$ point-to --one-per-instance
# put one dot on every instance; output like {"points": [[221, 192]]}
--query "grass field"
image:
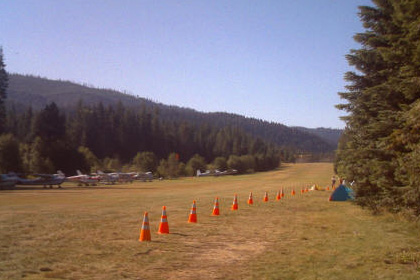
{"points": [[92, 232]]}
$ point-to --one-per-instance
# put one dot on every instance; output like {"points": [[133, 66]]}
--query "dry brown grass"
{"points": [[92, 233]]}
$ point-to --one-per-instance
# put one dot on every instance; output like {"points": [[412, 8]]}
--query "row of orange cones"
{"points": [[164, 226]]}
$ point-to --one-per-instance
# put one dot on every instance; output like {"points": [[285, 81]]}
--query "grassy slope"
{"points": [[92, 233]]}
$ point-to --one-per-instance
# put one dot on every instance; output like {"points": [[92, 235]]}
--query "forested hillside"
{"points": [[330, 135], [24, 91], [109, 138], [54, 125], [380, 148]]}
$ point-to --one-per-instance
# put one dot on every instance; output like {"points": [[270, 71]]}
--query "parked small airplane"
{"points": [[42, 179], [146, 176], [207, 173], [83, 179], [119, 177], [7, 181], [226, 172], [123, 177], [106, 178]]}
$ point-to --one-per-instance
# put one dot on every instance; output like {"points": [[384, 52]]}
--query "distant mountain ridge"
{"points": [[24, 91], [330, 135]]}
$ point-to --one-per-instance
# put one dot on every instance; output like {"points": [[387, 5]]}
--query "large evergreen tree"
{"points": [[3, 94], [383, 88]]}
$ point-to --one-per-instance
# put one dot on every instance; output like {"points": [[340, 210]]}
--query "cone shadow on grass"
{"points": [[180, 234]]}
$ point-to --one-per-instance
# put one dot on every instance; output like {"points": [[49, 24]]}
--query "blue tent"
{"points": [[342, 193]]}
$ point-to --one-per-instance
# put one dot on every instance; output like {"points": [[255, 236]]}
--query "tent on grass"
{"points": [[342, 193]]}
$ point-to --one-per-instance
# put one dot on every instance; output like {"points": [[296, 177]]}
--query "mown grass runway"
{"points": [[92, 232]]}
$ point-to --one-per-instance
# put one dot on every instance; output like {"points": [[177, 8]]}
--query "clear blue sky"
{"points": [[280, 61]]}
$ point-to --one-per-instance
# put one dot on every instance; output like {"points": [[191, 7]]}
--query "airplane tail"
{"points": [[79, 173], [60, 173], [198, 172]]}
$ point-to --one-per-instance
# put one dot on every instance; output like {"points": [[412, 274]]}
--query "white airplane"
{"points": [[207, 173], [106, 178], [122, 177], [144, 176], [83, 179], [226, 172]]}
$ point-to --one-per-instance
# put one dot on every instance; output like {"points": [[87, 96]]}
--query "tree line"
{"points": [[121, 138], [380, 147]]}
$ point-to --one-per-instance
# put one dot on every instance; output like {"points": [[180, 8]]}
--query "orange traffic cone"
{"points": [[193, 213], [278, 196], [282, 192], [302, 191], [265, 199], [216, 207], [145, 229], [293, 192], [250, 200], [328, 188], [235, 203], [163, 226]]}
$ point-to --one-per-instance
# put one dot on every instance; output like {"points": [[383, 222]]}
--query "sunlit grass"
{"points": [[92, 233]]}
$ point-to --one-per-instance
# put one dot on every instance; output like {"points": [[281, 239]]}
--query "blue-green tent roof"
{"points": [[342, 193]]}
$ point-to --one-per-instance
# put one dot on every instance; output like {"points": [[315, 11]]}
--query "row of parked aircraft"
{"points": [[12, 179], [50, 180], [216, 172]]}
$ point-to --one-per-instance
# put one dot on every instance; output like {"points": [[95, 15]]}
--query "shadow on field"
{"points": [[143, 253], [180, 234]]}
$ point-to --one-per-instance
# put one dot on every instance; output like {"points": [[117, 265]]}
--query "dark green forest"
{"points": [[380, 146], [110, 138]]}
